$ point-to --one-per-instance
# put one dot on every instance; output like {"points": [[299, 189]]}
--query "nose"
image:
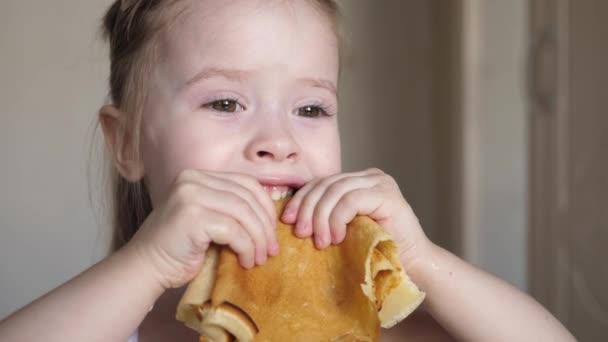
{"points": [[273, 143]]}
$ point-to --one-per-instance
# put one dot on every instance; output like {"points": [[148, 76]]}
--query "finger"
{"points": [[241, 185], [305, 206], [224, 230], [373, 171], [266, 204], [324, 232], [256, 189], [236, 207], [353, 203], [291, 209]]}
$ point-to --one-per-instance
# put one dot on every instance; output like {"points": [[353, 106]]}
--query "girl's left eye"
{"points": [[224, 105], [312, 111]]}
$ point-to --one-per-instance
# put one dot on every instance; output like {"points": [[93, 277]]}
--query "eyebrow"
{"points": [[207, 73], [320, 83], [242, 75]]}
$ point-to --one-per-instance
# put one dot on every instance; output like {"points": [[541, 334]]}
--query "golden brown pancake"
{"points": [[345, 292]]}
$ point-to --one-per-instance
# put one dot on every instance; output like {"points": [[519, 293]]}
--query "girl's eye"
{"points": [[224, 105], [312, 111]]}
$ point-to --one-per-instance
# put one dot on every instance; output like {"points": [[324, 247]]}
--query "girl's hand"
{"points": [[204, 207], [323, 208]]}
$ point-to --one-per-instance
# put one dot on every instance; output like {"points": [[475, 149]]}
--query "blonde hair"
{"points": [[131, 27]]}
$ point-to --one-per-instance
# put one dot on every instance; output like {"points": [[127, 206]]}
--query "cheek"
{"points": [[324, 152], [180, 147], [333, 158]]}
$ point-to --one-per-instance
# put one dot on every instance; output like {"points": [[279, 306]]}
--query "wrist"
{"points": [[416, 257], [134, 256], [431, 272], [421, 263]]}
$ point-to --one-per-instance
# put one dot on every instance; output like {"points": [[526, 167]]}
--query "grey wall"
{"points": [[52, 80], [400, 92], [504, 145], [495, 137], [386, 96]]}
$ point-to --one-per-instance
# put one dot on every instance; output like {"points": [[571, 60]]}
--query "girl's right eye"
{"points": [[224, 105]]}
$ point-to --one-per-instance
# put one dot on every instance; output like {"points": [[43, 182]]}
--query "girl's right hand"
{"points": [[201, 208]]}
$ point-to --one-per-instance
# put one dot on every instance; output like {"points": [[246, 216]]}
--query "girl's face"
{"points": [[245, 86]]}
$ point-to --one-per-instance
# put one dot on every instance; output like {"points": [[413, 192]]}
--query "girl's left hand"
{"points": [[323, 208]]}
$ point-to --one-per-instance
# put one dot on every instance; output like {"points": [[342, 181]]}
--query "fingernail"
{"points": [[263, 258], [300, 228], [248, 264], [300, 233], [319, 242], [289, 215], [336, 240], [274, 249]]}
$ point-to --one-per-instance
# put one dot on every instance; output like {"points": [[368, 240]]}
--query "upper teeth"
{"points": [[279, 192]]}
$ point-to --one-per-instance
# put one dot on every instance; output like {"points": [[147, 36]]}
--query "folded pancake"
{"points": [[342, 293]]}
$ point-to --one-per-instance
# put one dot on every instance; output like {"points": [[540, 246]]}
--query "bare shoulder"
{"points": [[419, 326]]}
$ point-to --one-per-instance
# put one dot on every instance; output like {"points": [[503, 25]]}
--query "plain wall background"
{"points": [[495, 146], [503, 144], [52, 81], [53, 69]]}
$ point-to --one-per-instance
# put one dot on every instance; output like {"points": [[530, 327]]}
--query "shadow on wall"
{"points": [[386, 103]]}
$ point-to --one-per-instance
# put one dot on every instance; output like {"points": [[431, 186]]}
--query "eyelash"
{"points": [[324, 109], [218, 100]]}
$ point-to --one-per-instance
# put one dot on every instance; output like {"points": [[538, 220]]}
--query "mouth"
{"points": [[281, 187], [279, 192]]}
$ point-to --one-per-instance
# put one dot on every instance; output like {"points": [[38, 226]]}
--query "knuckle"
{"points": [[383, 178], [350, 199], [322, 210], [256, 234], [249, 245], [245, 179], [184, 191], [250, 180], [305, 204], [391, 180], [335, 187], [249, 197], [244, 246], [328, 180], [335, 222], [318, 222], [185, 175], [241, 206], [219, 228], [337, 231], [248, 215], [188, 209]]}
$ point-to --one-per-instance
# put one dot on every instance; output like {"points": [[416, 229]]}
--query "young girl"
{"points": [[218, 107]]}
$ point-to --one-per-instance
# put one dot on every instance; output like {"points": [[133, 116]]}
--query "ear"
{"points": [[121, 142]]}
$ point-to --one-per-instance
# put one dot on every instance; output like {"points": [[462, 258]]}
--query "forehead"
{"points": [[291, 35]]}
